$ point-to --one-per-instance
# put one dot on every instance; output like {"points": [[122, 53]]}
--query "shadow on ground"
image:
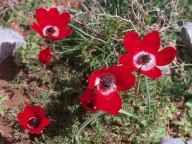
{"points": [[8, 69], [3, 140]]}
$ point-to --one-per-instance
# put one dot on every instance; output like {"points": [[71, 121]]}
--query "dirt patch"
{"points": [[3, 83], [8, 71], [16, 101], [3, 140], [5, 130]]}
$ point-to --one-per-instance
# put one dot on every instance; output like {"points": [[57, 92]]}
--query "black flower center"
{"points": [[90, 105], [34, 122], [143, 59], [50, 31], [106, 82]]}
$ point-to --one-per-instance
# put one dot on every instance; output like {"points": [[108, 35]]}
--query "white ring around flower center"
{"points": [[147, 66], [101, 88], [56, 33], [28, 121]]}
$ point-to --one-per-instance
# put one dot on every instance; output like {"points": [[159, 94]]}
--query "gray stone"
{"points": [[186, 34], [172, 141], [10, 41], [165, 69], [189, 141]]}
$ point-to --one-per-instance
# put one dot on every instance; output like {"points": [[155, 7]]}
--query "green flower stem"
{"points": [[138, 83], [54, 51], [128, 113], [44, 69], [86, 123], [148, 98]]}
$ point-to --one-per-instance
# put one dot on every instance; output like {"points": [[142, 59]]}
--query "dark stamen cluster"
{"points": [[143, 59], [106, 82], [34, 122], [90, 105], [50, 31]]}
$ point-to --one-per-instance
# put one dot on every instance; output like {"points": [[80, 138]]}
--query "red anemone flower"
{"points": [[45, 56], [107, 81], [89, 100], [144, 56], [33, 118], [51, 24]]}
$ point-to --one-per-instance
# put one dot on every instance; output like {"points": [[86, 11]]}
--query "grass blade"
{"points": [[129, 113], [86, 123]]}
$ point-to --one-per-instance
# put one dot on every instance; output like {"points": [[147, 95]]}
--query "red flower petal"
{"points": [[110, 103], [127, 60], [165, 56], [131, 42], [41, 114], [64, 33], [89, 97], [47, 17], [151, 42], [23, 120], [37, 130], [37, 28], [124, 78], [45, 56], [56, 19], [40, 111], [53, 14], [92, 78], [30, 112], [64, 19], [42, 16], [52, 18], [152, 73], [44, 122]]}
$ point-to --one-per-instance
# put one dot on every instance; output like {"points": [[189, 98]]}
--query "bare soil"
{"points": [[8, 71]]}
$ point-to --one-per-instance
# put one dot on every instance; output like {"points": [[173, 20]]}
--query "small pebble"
{"points": [[172, 141]]}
